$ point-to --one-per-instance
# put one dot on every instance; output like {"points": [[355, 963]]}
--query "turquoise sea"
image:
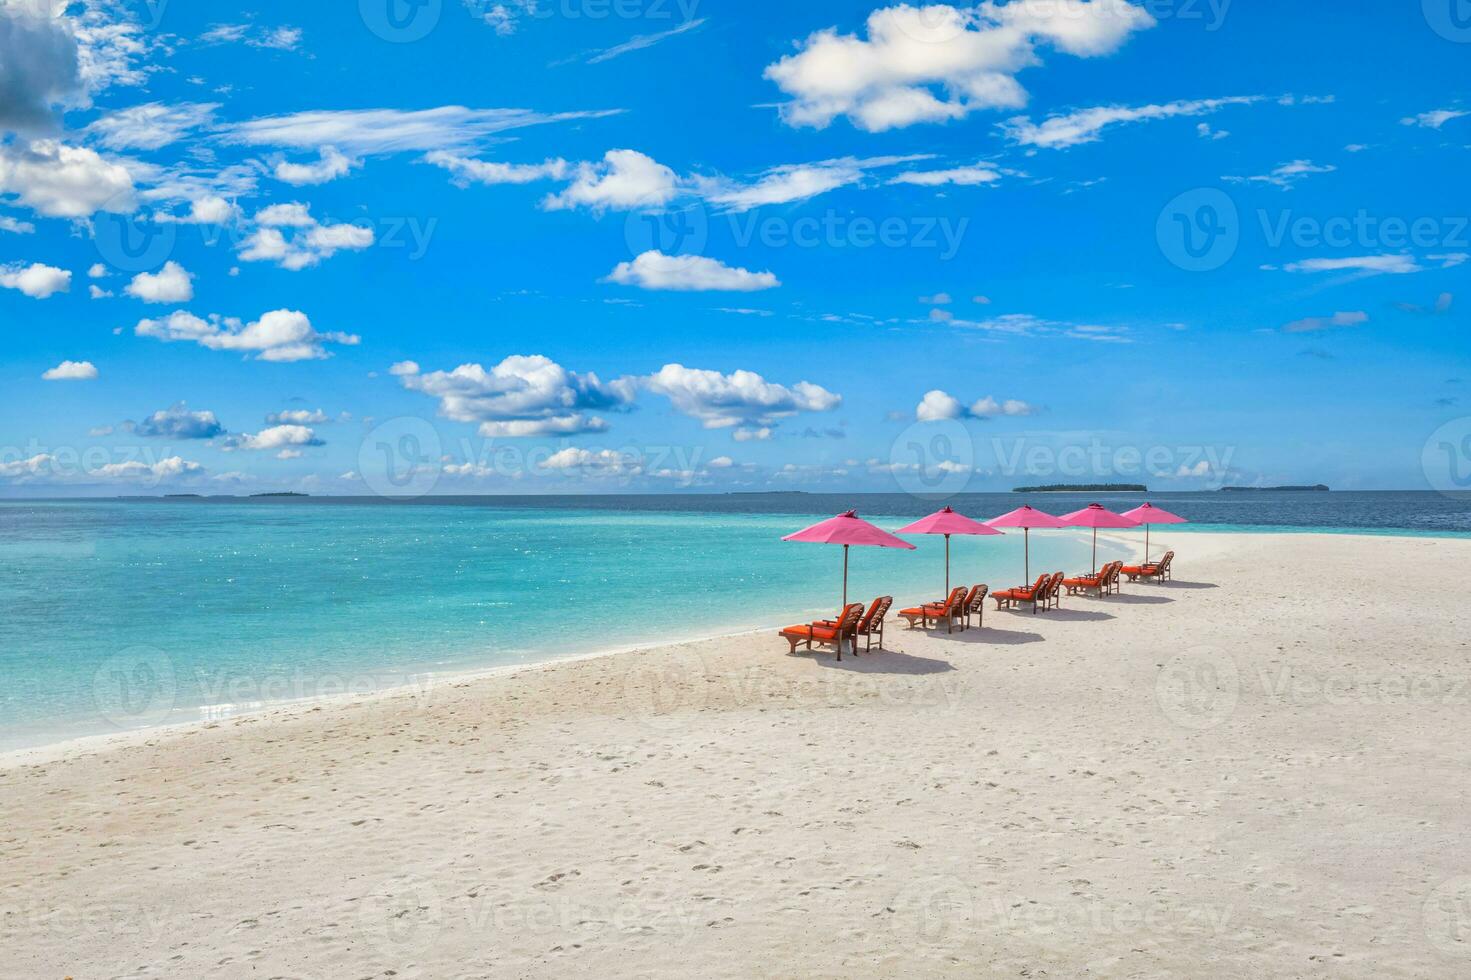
{"points": [[122, 614]]}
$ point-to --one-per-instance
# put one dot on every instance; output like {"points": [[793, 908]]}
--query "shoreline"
{"points": [[417, 681], [421, 682]]}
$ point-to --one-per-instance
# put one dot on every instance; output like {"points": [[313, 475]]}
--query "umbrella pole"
{"points": [[1027, 552], [845, 577], [947, 565], [1146, 544], [1095, 551]]}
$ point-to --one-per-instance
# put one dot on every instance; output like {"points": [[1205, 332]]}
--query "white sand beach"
{"points": [[1257, 770]]}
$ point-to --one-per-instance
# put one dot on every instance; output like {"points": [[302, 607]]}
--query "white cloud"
{"points": [[208, 210], [330, 165], [178, 422], [751, 435], [364, 132], [97, 271], [135, 469], [284, 38], [1085, 125], [792, 182], [1370, 264], [939, 62], [467, 170], [1286, 175], [521, 396], [280, 335], [15, 227], [1435, 119], [309, 244], [97, 292], [62, 181], [625, 180], [688, 273], [1450, 260], [962, 176], [40, 66], [1316, 323], [171, 284], [1204, 131], [501, 15], [72, 371], [742, 398], [298, 417], [151, 126], [989, 407], [277, 437], [594, 462], [641, 41], [35, 280], [939, 405]]}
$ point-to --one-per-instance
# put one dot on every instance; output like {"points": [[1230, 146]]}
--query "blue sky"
{"points": [[586, 245]]}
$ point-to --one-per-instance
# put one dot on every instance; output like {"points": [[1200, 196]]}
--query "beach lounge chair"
{"points": [[1053, 598], [975, 605], [1111, 587], [1159, 571], [1102, 582], [871, 625], [1010, 597], [949, 609], [827, 632]]}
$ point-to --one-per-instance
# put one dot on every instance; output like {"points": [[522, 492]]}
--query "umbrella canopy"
{"points": [[1148, 514], [848, 530], [1096, 516], [948, 522], [1027, 517]]}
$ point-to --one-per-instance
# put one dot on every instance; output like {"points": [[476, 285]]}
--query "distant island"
{"points": [[1317, 488], [1085, 488], [281, 493], [180, 496]]}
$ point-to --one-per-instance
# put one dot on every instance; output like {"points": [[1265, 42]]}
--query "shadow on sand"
{"points": [[1065, 614], [1129, 599], [1172, 584], [885, 661]]}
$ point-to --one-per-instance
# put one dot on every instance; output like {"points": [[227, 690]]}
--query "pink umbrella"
{"points": [[1148, 514], [848, 530], [947, 522], [1026, 518], [1096, 516]]}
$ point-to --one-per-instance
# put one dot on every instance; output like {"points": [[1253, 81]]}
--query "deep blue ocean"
{"points": [[122, 614]]}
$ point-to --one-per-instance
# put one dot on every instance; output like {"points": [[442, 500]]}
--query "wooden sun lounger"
{"points": [[949, 609], [827, 632], [1010, 597], [975, 605], [1159, 571], [871, 625], [1102, 582]]}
